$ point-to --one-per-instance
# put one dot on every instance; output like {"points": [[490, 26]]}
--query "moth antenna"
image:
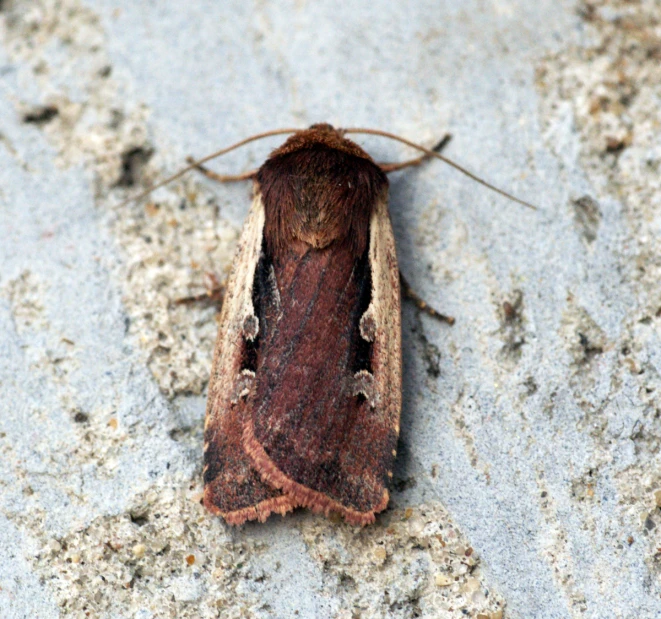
{"points": [[432, 153], [199, 162]]}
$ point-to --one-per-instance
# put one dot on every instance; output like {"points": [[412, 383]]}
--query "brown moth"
{"points": [[304, 396], [305, 389]]}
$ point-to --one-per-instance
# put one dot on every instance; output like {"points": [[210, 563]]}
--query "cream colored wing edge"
{"points": [[237, 318], [381, 323]]}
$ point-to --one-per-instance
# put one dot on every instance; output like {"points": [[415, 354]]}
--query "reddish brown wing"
{"points": [[323, 418], [232, 487]]}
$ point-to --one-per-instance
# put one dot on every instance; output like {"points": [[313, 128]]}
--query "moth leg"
{"points": [[213, 296], [422, 305], [222, 178], [392, 167]]}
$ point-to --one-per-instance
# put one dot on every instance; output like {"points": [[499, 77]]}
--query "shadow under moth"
{"points": [[304, 396]]}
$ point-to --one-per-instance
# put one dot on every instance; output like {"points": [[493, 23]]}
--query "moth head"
{"points": [[326, 127], [319, 188]]}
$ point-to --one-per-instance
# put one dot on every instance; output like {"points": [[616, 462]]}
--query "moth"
{"points": [[304, 396], [305, 389]]}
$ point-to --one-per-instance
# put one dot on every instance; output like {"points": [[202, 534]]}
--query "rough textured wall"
{"points": [[528, 478]]}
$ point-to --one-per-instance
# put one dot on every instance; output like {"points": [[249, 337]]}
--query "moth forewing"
{"points": [[238, 311], [233, 489]]}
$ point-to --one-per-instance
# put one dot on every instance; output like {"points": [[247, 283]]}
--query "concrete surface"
{"points": [[528, 479]]}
